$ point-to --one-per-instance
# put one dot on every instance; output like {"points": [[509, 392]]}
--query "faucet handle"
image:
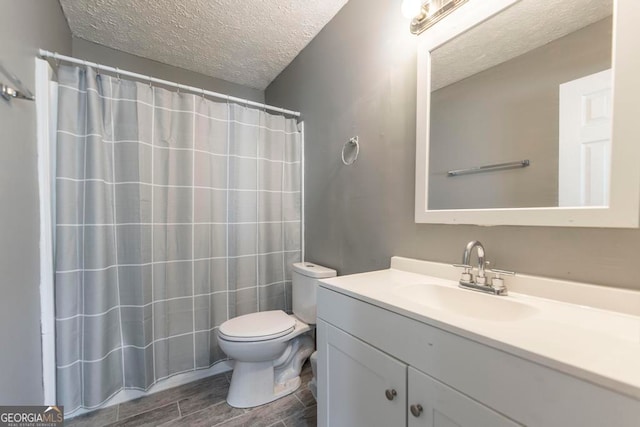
{"points": [[497, 282], [466, 273], [498, 272]]}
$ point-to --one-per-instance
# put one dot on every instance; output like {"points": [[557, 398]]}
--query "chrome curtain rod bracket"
{"points": [[9, 93], [489, 168], [15, 89], [145, 78]]}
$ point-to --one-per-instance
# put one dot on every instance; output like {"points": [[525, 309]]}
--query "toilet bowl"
{"points": [[270, 347]]}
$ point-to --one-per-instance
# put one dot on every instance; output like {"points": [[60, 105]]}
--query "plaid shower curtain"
{"points": [[174, 213]]}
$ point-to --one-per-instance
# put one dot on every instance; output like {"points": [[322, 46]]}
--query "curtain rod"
{"points": [[117, 71]]}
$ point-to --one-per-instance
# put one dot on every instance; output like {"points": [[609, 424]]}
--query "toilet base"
{"points": [[252, 385], [256, 397], [257, 383]]}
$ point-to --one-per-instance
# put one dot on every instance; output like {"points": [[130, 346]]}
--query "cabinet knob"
{"points": [[391, 394], [416, 410]]}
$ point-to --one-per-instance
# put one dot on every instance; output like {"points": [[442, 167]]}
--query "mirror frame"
{"points": [[624, 204]]}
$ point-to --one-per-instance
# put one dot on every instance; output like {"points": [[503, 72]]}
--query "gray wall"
{"points": [[26, 26], [359, 77], [89, 51], [506, 113]]}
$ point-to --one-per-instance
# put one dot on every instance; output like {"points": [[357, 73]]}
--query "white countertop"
{"points": [[597, 345]]}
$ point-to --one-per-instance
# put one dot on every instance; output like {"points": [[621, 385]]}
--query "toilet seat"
{"points": [[262, 326]]}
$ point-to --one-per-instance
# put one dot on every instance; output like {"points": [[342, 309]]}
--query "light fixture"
{"points": [[411, 8], [425, 14]]}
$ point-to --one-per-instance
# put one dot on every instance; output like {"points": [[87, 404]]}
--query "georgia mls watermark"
{"points": [[31, 416]]}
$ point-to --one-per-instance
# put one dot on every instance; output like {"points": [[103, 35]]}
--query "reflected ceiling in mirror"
{"points": [[531, 83]]}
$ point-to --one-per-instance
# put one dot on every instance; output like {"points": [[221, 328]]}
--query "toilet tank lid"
{"points": [[310, 269]]}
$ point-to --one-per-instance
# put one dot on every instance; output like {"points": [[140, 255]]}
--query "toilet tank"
{"points": [[305, 278]]}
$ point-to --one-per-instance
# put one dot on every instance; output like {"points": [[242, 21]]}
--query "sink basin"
{"points": [[466, 302]]}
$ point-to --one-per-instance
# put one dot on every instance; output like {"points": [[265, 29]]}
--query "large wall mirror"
{"points": [[526, 115]]}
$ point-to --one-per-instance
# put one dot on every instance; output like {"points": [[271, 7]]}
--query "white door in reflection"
{"points": [[585, 141]]}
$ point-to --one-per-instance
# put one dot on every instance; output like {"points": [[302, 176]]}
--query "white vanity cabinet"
{"points": [[366, 387], [366, 350]]}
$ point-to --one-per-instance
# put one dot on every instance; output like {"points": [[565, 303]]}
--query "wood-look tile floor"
{"points": [[202, 403]]}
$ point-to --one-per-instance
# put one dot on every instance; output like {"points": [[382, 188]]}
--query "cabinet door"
{"points": [[361, 385], [442, 406]]}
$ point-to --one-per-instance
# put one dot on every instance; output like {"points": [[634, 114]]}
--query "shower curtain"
{"points": [[174, 213]]}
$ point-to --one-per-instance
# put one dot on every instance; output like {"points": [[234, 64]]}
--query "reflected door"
{"points": [[585, 141]]}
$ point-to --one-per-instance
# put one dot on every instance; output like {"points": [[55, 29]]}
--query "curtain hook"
{"points": [[150, 86], [202, 93], [178, 91], [86, 66], [56, 60], [118, 74]]}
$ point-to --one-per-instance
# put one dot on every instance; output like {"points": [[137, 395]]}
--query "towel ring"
{"points": [[351, 142]]}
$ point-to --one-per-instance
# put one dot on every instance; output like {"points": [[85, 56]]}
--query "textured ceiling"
{"points": [[248, 42], [525, 26]]}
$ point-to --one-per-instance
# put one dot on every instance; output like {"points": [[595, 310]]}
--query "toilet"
{"points": [[270, 347]]}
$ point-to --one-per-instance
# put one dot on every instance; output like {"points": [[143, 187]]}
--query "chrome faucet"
{"points": [[495, 286], [481, 279]]}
